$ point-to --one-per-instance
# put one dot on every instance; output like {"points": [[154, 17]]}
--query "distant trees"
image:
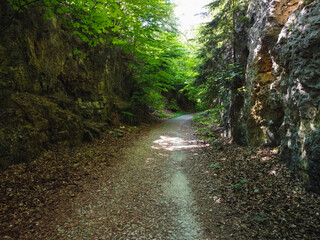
{"points": [[147, 32], [221, 70]]}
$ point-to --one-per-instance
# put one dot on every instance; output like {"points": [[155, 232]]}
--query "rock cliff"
{"points": [[48, 93], [282, 98]]}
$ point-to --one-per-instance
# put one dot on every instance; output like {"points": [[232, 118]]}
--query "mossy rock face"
{"points": [[312, 146], [37, 56], [47, 92], [35, 123]]}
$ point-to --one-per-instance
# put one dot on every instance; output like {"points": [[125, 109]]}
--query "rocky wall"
{"points": [[48, 93], [283, 83]]}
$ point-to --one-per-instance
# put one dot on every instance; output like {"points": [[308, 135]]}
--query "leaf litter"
{"points": [[251, 195], [240, 192], [35, 196]]}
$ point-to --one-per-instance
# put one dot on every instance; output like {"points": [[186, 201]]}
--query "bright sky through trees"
{"points": [[187, 11]]}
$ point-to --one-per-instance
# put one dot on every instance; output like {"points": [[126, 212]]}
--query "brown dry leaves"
{"points": [[34, 196], [246, 193], [242, 193]]}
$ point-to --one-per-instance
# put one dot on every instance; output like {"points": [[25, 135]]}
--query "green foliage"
{"points": [[79, 53], [127, 117], [127, 113], [125, 23], [89, 155], [261, 217], [162, 115], [207, 121], [145, 30], [160, 69], [219, 68], [201, 129], [173, 106], [197, 119], [118, 133], [178, 114], [210, 137], [239, 184], [209, 117], [214, 166]]}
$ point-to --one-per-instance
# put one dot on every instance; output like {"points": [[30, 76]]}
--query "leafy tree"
{"points": [[160, 68], [95, 21], [145, 29], [221, 68]]}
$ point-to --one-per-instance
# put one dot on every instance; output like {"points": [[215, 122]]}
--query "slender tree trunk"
{"points": [[234, 32]]}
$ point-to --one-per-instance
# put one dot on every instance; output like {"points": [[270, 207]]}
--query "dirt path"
{"points": [[145, 196], [164, 183]]}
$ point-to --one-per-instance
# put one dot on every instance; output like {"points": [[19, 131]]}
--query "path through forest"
{"points": [[145, 196], [158, 183]]}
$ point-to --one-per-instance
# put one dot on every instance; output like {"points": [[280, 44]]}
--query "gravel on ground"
{"points": [[159, 182]]}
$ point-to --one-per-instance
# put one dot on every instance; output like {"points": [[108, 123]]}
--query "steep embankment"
{"points": [[281, 102], [47, 92]]}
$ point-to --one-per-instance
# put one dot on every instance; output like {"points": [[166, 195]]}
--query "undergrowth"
{"points": [[208, 122], [162, 114]]}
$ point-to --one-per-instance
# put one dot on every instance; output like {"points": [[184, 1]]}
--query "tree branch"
{"points": [[16, 13]]}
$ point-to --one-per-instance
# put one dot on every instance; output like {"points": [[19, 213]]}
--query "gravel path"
{"points": [[145, 196], [163, 183]]}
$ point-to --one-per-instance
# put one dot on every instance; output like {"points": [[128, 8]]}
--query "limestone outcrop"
{"points": [[282, 98]]}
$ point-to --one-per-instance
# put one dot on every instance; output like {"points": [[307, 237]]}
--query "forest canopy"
{"points": [[145, 30], [203, 69]]}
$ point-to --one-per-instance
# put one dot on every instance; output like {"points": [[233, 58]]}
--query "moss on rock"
{"points": [[35, 123]]}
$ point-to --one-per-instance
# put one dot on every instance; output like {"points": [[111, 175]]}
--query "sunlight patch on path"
{"points": [[177, 188], [175, 143], [145, 195]]}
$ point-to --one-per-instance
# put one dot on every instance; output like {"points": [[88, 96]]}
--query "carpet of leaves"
{"points": [[35, 195], [241, 193], [247, 193]]}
